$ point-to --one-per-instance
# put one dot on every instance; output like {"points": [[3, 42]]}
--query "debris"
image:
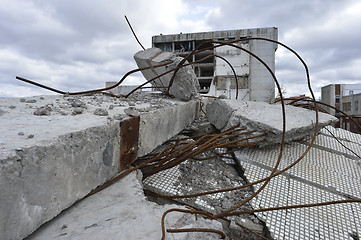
{"points": [[118, 117], [131, 111], [101, 112], [43, 111], [77, 103], [21, 133], [30, 135], [185, 86], [78, 110]]}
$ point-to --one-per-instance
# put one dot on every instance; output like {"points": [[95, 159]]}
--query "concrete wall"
{"points": [[262, 86], [328, 97]]}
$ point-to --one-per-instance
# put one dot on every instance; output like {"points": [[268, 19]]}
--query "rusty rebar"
{"points": [[135, 35]]}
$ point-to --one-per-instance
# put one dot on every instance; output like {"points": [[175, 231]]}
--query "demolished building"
{"points": [[116, 168], [214, 73], [347, 98]]}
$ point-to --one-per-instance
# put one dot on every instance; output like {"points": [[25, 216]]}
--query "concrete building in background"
{"points": [[347, 98], [215, 76]]}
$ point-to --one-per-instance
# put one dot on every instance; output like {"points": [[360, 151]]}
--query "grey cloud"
{"points": [[81, 44]]}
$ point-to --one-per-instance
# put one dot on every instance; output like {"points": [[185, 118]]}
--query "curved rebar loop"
{"points": [[283, 111], [288, 167], [192, 211], [94, 90], [224, 213], [176, 70]]}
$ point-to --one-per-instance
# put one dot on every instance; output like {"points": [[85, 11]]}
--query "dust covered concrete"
{"points": [[56, 149], [121, 212], [267, 118]]}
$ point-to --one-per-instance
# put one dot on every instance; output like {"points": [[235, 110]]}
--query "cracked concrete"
{"points": [[266, 118], [185, 86], [51, 159]]}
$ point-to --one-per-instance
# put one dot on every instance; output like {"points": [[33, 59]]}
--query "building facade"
{"points": [[347, 98], [213, 72]]}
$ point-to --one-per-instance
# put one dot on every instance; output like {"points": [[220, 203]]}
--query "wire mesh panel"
{"points": [[321, 176]]}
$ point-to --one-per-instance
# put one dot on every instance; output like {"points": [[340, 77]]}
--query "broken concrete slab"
{"points": [[69, 154], [185, 86], [122, 212], [264, 117]]}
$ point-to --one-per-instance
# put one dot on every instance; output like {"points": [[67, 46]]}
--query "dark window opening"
{"points": [[185, 46], [205, 60], [206, 72], [205, 44]]}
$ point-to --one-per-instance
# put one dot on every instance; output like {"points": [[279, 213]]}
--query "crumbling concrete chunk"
{"points": [[185, 86], [43, 111], [267, 118], [101, 112]]}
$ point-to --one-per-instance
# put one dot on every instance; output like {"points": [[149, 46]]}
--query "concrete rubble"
{"points": [[55, 149], [264, 117], [185, 86], [192, 176], [51, 159]]}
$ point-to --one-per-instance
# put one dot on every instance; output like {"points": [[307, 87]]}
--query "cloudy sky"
{"points": [[79, 45]]}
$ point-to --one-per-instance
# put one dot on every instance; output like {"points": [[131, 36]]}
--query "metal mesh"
{"points": [[320, 177]]}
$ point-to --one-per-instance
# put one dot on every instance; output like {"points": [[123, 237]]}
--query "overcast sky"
{"points": [[79, 45]]}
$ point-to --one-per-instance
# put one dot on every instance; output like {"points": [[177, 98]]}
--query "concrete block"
{"points": [[160, 126], [38, 182], [69, 154], [185, 86], [264, 117]]}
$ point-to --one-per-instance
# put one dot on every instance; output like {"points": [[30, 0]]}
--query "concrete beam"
{"points": [[264, 117], [48, 162]]}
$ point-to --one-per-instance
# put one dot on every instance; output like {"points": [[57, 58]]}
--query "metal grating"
{"points": [[320, 177], [342, 134], [332, 144], [164, 180]]}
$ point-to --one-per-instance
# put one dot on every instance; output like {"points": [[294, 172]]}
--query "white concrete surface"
{"points": [[264, 117], [48, 162], [121, 212]]}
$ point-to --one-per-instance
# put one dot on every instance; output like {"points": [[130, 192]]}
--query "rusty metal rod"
{"points": [[131, 28], [205, 230]]}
